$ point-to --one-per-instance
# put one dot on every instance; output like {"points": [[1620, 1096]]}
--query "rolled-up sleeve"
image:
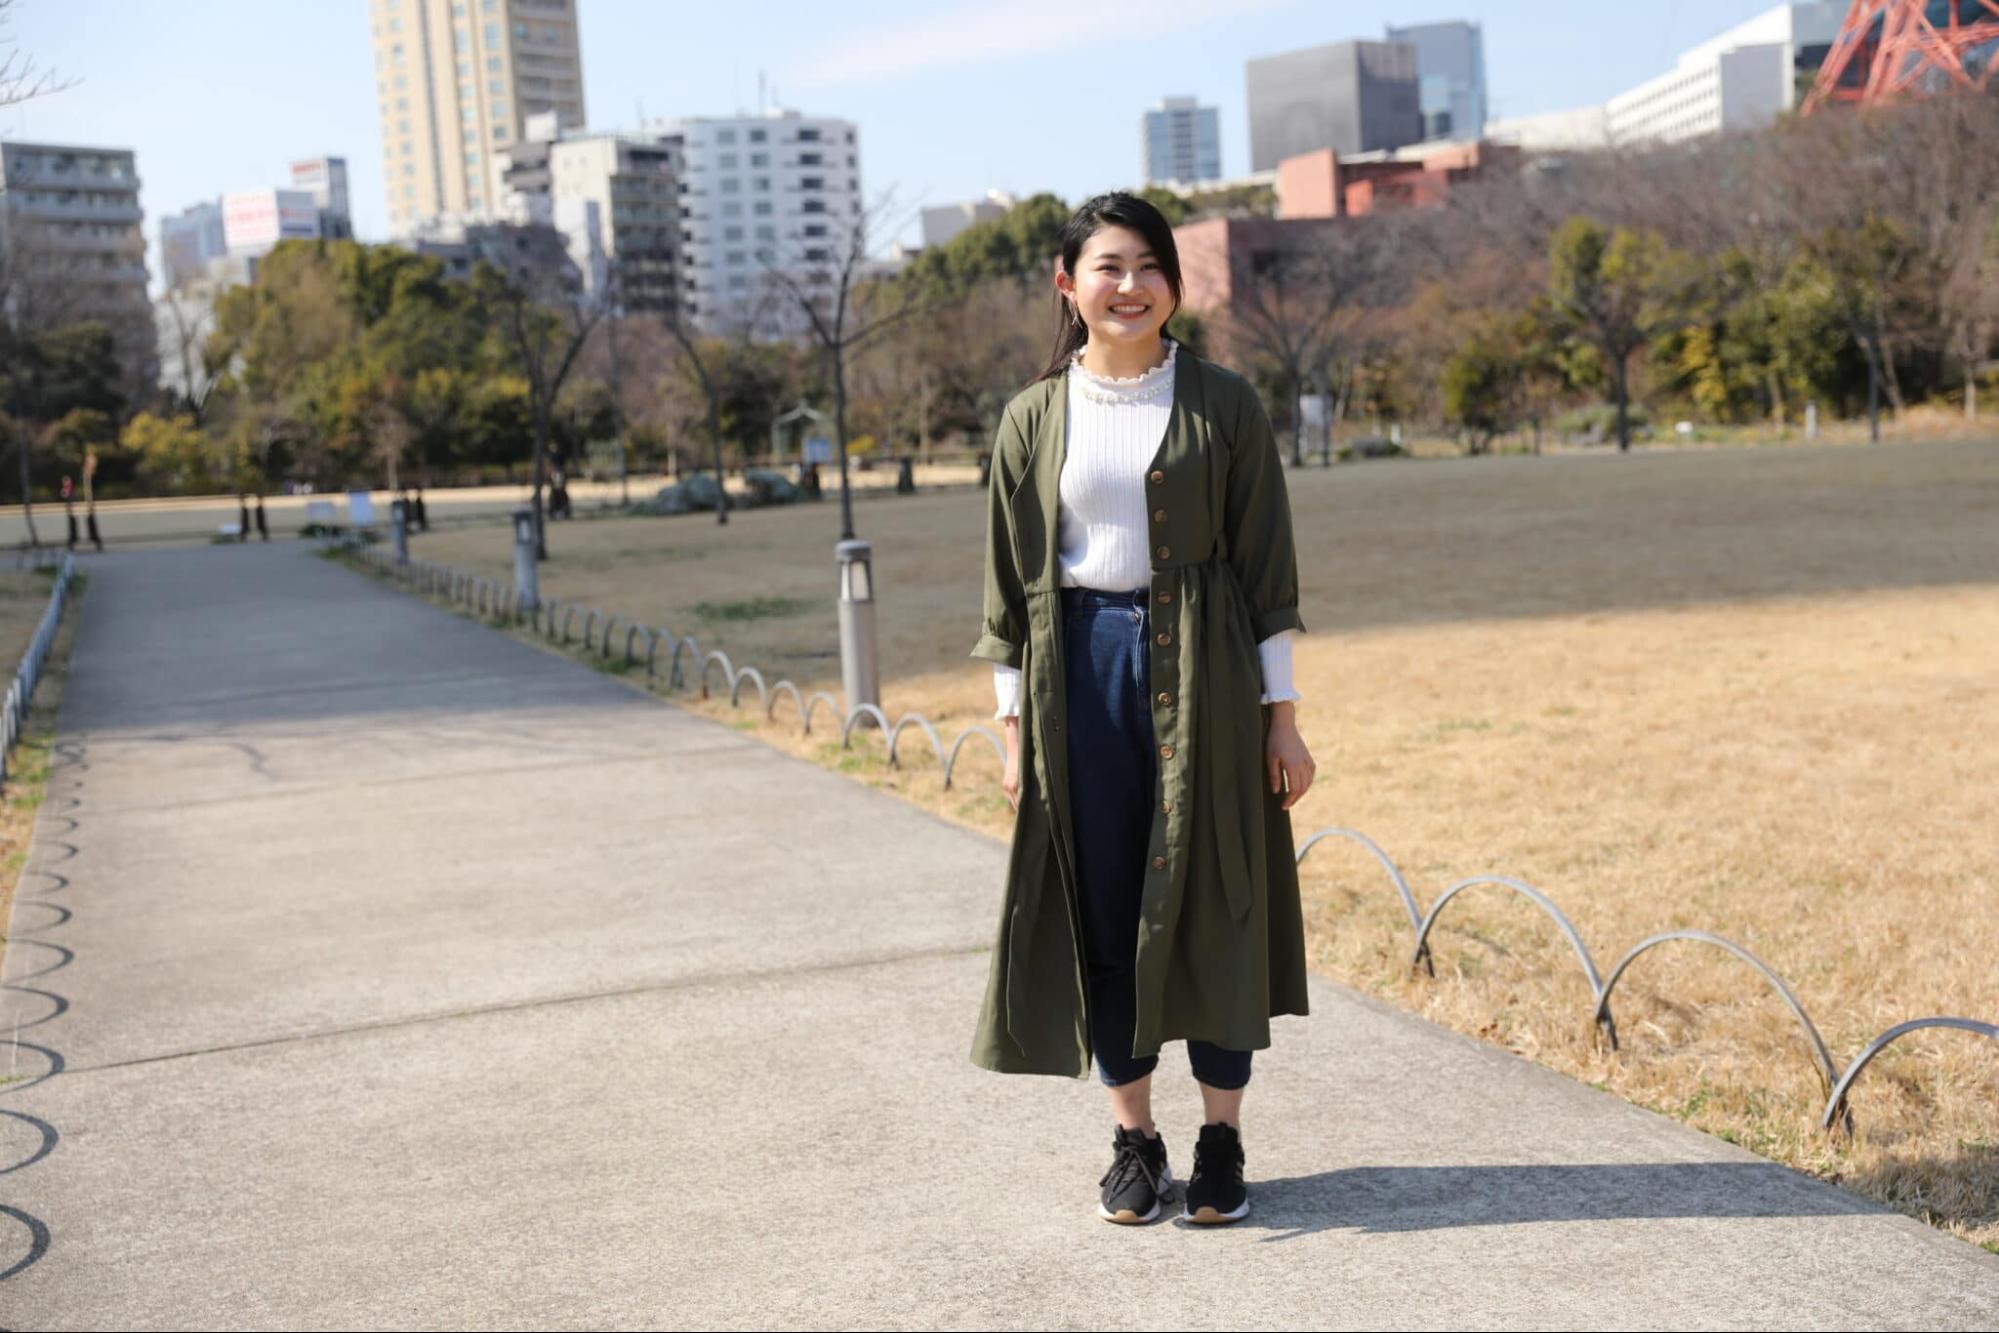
{"points": [[1004, 626], [1258, 522]]}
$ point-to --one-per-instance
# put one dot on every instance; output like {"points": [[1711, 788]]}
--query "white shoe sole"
{"points": [[1213, 1216], [1126, 1217]]}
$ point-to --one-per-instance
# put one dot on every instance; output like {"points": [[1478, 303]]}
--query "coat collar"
{"points": [[1051, 441]]}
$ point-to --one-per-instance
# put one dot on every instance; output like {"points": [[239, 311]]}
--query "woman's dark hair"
{"points": [[1115, 209]]}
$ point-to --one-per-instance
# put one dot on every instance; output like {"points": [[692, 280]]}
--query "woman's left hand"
{"points": [[1285, 758]]}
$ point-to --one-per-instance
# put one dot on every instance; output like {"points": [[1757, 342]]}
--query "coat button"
{"points": [[1165, 597], [1166, 807], [1164, 639], [1165, 752], [1159, 516], [1158, 475], [1159, 863], [1165, 698], [1165, 552]]}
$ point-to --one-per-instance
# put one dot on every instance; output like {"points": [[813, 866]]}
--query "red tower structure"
{"points": [[1889, 49]]}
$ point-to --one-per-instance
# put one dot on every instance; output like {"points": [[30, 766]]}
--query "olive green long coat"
{"points": [[1221, 941]]}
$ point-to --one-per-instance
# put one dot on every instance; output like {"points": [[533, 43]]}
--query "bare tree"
{"points": [[1296, 301], [536, 299], [191, 319], [20, 80], [842, 305]]}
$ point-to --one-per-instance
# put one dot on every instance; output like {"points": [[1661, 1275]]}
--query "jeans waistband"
{"points": [[1075, 596]]}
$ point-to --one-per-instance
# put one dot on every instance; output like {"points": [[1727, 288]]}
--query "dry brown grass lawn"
{"points": [[1751, 692]]}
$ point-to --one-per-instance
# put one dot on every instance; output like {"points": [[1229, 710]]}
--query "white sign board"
{"points": [[818, 449], [319, 511], [360, 508]]}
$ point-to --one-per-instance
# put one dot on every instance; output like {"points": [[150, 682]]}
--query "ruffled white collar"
{"points": [[1144, 387]]}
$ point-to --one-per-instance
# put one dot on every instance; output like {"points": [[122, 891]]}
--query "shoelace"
{"points": [[1130, 1159]]}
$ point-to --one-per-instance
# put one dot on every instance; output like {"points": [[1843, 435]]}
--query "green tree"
{"points": [[1615, 290]]}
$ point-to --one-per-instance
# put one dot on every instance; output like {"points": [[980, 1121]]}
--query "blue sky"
{"points": [[951, 98]]}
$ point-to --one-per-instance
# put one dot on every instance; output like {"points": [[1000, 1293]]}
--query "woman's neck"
{"points": [[1122, 363]]}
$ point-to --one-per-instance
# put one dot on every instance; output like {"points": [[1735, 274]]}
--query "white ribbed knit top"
{"points": [[1114, 428]]}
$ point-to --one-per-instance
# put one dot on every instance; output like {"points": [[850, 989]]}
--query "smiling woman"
{"points": [[1141, 584]]}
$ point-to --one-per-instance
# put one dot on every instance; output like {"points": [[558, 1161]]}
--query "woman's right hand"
{"points": [[1010, 776]]}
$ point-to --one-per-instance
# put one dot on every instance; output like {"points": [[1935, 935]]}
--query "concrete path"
{"points": [[400, 974]]}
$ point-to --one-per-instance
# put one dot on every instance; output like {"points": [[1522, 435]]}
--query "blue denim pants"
{"points": [[1113, 769]]}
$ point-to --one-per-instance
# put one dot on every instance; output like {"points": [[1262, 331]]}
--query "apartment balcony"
{"points": [[122, 212]]}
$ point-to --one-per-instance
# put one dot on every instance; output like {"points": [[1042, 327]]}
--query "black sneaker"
{"points": [[1215, 1192], [1138, 1179]]}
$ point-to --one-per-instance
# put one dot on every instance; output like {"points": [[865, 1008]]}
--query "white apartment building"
{"points": [[70, 237], [616, 200], [776, 191], [1740, 80]]}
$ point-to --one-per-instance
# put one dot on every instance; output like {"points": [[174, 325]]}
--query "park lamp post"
{"points": [[860, 675], [527, 574]]}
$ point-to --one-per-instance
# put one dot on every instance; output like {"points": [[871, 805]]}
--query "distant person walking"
{"points": [[1142, 579], [422, 513], [263, 526], [242, 517], [90, 497], [69, 507]]}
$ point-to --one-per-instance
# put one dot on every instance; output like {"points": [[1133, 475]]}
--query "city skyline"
{"points": [[1015, 82]]}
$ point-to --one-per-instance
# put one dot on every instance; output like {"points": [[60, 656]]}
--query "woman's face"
{"points": [[1119, 288]]}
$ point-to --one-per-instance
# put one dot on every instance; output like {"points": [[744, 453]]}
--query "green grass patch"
{"points": [[755, 608]]}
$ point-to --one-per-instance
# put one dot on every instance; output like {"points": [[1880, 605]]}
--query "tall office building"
{"points": [[455, 81], [71, 241], [1351, 97], [778, 191], [1450, 77], [1182, 142]]}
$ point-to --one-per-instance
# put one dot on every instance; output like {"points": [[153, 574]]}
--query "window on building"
{"points": [[499, 111], [731, 209], [759, 159], [499, 134], [496, 88], [493, 64], [853, 161], [816, 229], [493, 34], [811, 182], [726, 161], [808, 136], [766, 233], [732, 234], [401, 83], [730, 185], [464, 69], [850, 136], [853, 183], [761, 185], [757, 136], [809, 159], [812, 206], [761, 208], [725, 136]]}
